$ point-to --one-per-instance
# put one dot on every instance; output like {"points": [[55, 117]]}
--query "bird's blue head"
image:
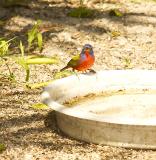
{"points": [[87, 48]]}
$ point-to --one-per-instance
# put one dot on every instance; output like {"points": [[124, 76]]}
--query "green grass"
{"points": [[141, 1], [39, 106], [127, 63], [4, 50], [26, 61], [2, 22], [4, 47], [57, 75], [22, 61], [9, 3], [115, 33], [81, 12], [116, 13], [42, 60], [2, 147], [34, 35], [63, 74]]}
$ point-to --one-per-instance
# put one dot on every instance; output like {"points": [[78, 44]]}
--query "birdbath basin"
{"points": [[113, 107]]}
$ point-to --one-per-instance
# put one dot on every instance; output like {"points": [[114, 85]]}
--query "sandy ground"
{"points": [[31, 134]]}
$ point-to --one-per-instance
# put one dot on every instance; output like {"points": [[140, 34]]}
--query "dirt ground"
{"points": [[31, 134]]}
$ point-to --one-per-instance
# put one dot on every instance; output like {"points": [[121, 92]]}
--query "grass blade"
{"points": [[39, 40], [21, 48], [41, 60], [39, 106]]}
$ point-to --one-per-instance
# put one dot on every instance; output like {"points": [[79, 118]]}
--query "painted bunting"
{"points": [[82, 62]]}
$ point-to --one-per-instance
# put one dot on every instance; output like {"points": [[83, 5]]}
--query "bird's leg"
{"points": [[85, 71], [76, 74]]}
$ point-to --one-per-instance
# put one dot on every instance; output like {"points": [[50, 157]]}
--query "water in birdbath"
{"points": [[132, 105]]}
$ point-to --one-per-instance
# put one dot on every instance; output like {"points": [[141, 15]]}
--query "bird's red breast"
{"points": [[85, 64]]}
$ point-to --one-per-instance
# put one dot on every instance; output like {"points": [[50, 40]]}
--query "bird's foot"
{"points": [[89, 72], [92, 71]]}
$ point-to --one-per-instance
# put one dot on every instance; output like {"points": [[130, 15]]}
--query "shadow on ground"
{"points": [[44, 136], [57, 14]]}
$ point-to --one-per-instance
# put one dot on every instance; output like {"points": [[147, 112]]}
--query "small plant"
{"points": [[116, 13], [127, 63], [9, 3], [22, 62], [4, 47], [2, 147], [38, 85], [39, 106], [2, 22], [4, 50], [141, 1], [115, 33], [35, 35], [26, 61], [41, 60], [81, 2], [81, 11], [57, 75], [62, 74]]}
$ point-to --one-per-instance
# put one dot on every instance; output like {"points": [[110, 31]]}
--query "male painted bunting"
{"points": [[82, 62]]}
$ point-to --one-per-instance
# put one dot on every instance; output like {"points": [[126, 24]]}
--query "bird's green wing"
{"points": [[74, 61]]}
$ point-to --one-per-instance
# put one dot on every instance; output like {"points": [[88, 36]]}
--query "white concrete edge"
{"points": [[147, 77]]}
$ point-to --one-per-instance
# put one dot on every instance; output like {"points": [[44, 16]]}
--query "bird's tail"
{"points": [[64, 68]]}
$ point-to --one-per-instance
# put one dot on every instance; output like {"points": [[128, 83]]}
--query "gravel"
{"points": [[31, 134]]}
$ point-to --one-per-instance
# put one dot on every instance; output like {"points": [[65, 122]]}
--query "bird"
{"points": [[82, 62]]}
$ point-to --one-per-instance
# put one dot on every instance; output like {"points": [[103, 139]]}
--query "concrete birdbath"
{"points": [[114, 107]]}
